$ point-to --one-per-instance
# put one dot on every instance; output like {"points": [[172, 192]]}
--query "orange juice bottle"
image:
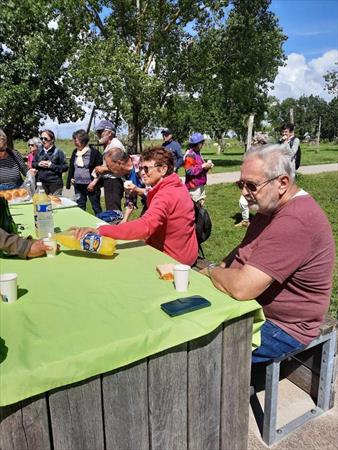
{"points": [[90, 242]]}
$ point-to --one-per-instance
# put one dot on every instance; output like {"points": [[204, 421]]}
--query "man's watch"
{"points": [[210, 267]]}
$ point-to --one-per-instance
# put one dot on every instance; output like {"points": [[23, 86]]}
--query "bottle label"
{"points": [[43, 207], [91, 242]]}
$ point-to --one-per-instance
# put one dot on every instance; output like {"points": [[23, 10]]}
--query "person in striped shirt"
{"points": [[12, 165]]}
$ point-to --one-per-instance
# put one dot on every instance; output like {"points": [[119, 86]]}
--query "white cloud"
{"points": [[300, 77]]}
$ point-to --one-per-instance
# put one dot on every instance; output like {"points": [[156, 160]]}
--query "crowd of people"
{"points": [[285, 259]]}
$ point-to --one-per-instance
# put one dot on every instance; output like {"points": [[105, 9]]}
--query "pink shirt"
{"points": [[295, 247]]}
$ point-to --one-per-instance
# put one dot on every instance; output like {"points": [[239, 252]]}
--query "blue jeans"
{"points": [[94, 197], [275, 343]]}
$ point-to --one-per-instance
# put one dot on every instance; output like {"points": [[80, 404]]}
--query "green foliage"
{"points": [[331, 79], [36, 42], [230, 69], [306, 111]]}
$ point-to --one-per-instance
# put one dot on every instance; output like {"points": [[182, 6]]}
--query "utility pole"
{"points": [[291, 116]]}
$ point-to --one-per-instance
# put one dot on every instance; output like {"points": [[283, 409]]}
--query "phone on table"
{"points": [[185, 305]]}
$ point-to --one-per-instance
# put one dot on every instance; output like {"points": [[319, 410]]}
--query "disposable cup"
{"points": [[127, 184], [9, 287], [181, 277], [53, 246]]}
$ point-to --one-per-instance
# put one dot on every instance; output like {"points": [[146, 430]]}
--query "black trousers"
{"points": [[113, 193], [54, 188], [94, 197]]}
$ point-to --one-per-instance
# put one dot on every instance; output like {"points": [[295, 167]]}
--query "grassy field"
{"points": [[231, 159]]}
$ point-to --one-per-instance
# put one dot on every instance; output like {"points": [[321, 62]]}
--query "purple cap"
{"points": [[196, 138], [105, 125]]}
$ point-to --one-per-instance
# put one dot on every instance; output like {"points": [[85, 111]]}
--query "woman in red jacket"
{"points": [[168, 224]]}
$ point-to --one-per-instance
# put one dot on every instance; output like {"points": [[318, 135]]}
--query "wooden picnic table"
{"points": [[108, 369]]}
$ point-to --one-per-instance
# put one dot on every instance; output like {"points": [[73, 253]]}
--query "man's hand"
{"points": [[101, 170], [79, 232], [44, 164], [38, 248], [91, 185]]}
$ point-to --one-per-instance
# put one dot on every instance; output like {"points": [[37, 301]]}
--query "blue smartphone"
{"points": [[185, 305]]}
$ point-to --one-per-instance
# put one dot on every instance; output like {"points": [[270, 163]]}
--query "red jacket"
{"points": [[168, 224]]}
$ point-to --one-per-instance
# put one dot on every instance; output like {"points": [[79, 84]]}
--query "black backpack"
{"points": [[202, 223]]}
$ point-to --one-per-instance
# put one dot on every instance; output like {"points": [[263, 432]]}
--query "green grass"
{"points": [[222, 204]]}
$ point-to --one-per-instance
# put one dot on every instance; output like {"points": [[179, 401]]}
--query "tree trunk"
{"points": [[219, 138], [250, 127], [135, 133], [9, 133], [318, 133], [291, 116]]}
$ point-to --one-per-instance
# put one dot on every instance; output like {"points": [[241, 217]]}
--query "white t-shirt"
{"points": [[115, 143]]}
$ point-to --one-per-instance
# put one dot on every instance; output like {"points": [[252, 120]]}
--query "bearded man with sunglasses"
{"points": [[286, 258]]}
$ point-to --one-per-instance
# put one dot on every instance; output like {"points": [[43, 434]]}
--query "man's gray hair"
{"points": [[276, 158], [116, 154]]}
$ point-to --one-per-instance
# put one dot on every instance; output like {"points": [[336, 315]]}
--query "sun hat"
{"points": [[196, 138]]}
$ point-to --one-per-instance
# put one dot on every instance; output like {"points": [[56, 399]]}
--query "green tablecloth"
{"points": [[80, 315]]}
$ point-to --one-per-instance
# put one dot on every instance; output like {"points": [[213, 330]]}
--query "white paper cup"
{"points": [[181, 277], [9, 287], [53, 245]]}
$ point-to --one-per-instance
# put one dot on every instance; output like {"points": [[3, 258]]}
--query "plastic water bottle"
{"points": [[43, 213], [90, 242]]}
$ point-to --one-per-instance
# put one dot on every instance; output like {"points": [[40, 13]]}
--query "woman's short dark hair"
{"points": [[50, 134], [82, 136], [288, 126], [161, 156]]}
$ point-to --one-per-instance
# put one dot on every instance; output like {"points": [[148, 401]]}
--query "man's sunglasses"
{"points": [[31, 145], [147, 168], [251, 186], [44, 139]]}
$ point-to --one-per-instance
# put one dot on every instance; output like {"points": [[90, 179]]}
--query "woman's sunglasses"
{"points": [[147, 168], [251, 186], [44, 139]]}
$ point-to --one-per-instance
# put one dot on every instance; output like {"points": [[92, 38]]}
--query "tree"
{"points": [[233, 66], [35, 44], [331, 78], [307, 110], [137, 55]]}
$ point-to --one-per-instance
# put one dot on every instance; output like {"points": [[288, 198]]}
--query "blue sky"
{"points": [[311, 25], [311, 50]]}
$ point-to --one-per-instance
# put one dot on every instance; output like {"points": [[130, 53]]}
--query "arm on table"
{"points": [[244, 283]]}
